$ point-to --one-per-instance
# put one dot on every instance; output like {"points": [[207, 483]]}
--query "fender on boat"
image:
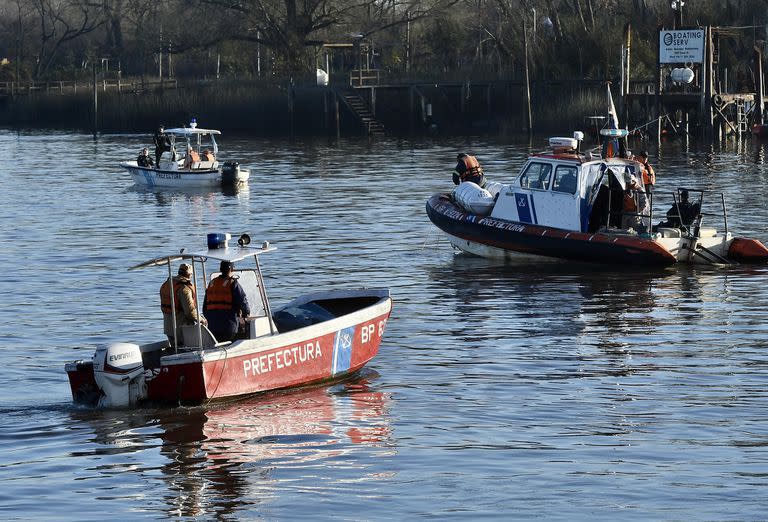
{"points": [[747, 250]]}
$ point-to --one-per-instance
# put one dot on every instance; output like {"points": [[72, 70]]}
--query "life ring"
{"points": [[718, 100]]}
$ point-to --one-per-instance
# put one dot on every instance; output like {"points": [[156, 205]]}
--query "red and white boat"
{"points": [[568, 205], [322, 336]]}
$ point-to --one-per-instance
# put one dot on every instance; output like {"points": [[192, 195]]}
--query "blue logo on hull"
{"points": [[342, 350]]}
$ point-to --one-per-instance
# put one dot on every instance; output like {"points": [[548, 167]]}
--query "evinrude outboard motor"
{"points": [[229, 172], [119, 374]]}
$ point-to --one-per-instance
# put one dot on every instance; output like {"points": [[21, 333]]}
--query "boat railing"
{"points": [[688, 219]]}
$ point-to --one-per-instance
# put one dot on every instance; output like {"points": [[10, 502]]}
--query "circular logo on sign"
{"points": [[668, 39]]}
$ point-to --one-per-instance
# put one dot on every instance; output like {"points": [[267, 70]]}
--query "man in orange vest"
{"points": [[649, 175], [225, 304], [468, 169], [184, 300]]}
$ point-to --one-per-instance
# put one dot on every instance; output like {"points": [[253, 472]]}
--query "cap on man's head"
{"points": [[461, 155], [226, 266], [185, 269]]}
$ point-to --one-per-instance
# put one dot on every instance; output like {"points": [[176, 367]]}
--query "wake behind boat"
{"points": [[191, 162], [568, 205], [317, 337]]}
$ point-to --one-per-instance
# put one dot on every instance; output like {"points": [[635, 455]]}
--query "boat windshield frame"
{"points": [[231, 254]]}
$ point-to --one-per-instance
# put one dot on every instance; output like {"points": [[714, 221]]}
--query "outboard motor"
{"points": [[230, 172], [119, 374]]}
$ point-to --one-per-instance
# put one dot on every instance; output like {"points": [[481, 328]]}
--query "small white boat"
{"points": [[191, 163], [318, 337]]}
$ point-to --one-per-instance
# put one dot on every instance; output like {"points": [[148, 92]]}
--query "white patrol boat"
{"points": [[191, 163], [568, 205], [321, 336]]}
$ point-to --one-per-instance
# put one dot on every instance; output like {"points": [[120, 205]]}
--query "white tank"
{"points": [[474, 199], [119, 373]]}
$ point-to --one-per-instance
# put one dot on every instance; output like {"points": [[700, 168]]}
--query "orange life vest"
{"points": [[219, 294], [165, 295], [649, 175], [473, 168]]}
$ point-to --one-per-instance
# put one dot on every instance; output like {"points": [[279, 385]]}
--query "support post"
{"points": [[625, 92], [758, 86], [95, 102], [658, 85], [529, 118]]}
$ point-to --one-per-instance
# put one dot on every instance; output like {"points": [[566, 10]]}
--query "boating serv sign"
{"points": [[681, 46]]}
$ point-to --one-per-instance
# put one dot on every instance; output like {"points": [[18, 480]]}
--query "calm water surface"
{"points": [[500, 391]]}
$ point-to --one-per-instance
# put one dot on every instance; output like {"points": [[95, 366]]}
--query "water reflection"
{"points": [[214, 457], [166, 197]]}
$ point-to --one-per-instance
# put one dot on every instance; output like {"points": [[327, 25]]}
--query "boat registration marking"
{"points": [[280, 359], [168, 175]]}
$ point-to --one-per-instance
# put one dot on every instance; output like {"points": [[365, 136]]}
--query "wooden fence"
{"points": [[73, 87]]}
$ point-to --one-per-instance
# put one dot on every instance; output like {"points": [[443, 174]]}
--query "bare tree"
{"points": [[61, 21]]}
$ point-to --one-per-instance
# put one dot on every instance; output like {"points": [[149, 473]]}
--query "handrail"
{"points": [[72, 86]]}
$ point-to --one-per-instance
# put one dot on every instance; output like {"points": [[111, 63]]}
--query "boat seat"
{"points": [[205, 165], [707, 232], [190, 338], [259, 326]]}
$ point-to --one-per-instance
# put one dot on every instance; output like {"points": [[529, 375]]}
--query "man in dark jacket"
{"points": [[144, 159], [225, 304], [162, 143]]}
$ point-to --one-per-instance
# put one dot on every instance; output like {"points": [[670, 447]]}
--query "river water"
{"points": [[500, 391]]}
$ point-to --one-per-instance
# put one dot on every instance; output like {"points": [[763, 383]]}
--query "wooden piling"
{"points": [[758, 86], [529, 118], [95, 102]]}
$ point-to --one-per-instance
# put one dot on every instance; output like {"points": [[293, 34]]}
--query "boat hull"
{"points": [[160, 178], [495, 238], [322, 352]]}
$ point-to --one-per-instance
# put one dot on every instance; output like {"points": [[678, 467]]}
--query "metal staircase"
{"points": [[359, 108]]}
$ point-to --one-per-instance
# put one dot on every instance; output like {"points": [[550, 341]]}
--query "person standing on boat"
{"points": [[162, 143], [635, 207], [649, 175], [468, 169], [225, 304], [144, 159], [184, 299]]}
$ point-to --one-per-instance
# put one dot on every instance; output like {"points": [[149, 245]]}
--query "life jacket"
{"points": [[165, 295], [630, 205], [472, 168], [649, 175], [218, 296]]}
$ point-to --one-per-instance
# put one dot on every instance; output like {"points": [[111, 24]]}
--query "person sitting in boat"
{"points": [[225, 305], [635, 207], [162, 143], [468, 169], [192, 158], [208, 155], [682, 213], [144, 159], [184, 301]]}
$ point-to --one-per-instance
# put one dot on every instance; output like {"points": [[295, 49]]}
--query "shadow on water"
{"points": [[213, 457]]}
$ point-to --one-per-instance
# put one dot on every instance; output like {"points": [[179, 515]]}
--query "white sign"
{"points": [[681, 46]]}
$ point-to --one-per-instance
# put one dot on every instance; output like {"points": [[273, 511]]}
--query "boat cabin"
{"points": [[258, 324], [566, 189], [192, 148]]}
